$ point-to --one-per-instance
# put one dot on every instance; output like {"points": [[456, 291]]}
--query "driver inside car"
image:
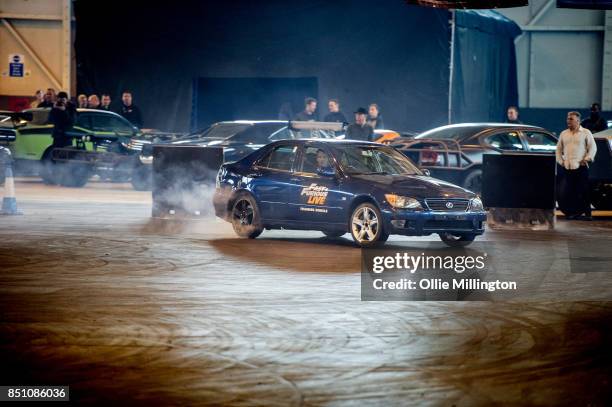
{"points": [[323, 161]]}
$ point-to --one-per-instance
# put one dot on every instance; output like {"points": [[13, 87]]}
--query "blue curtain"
{"points": [[484, 80]]}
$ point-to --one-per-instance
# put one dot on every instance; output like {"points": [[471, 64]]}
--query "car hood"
{"points": [[416, 186]]}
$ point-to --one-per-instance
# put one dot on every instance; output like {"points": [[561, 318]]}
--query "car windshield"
{"points": [[257, 133], [220, 131], [366, 159]]}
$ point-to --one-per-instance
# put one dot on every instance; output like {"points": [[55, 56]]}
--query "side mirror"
{"points": [[326, 172], [426, 172]]}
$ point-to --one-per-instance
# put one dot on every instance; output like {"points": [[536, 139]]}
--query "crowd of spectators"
{"points": [[125, 108], [362, 128]]}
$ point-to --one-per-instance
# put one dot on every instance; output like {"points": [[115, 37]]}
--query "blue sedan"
{"points": [[335, 186]]}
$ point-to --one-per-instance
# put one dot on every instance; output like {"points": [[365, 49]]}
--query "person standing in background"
{"points": [[49, 99], [106, 102], [512, 115], [130, 111], [308, 114], [576, 148], [334, 115], [595, 123], [374, 117], [82, 101], [360, 130], [40, 97], [93, 102]]}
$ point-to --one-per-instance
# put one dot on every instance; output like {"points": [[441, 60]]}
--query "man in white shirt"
{"points": [[575, 149]]}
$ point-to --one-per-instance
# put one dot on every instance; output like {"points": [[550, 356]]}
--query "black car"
{"points": [[340, 186], [454, 152], [600, 172]]}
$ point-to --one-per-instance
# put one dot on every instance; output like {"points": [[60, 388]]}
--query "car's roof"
{"points": [[330, 141], [79, 109], [470, 129], [253, 122]]}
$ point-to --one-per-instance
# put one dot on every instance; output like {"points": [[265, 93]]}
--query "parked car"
{"points": [[94, 131], [600, 172], [238, 139], [454, 153], [342, 186]]}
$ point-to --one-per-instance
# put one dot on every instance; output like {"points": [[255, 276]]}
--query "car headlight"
{"points": [[476, 205], [403, 202]]}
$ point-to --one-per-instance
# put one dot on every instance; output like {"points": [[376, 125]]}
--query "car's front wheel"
{"points": [[246, 220], [366, 225], [454, 240]]}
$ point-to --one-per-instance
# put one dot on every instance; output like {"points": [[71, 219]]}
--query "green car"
{"points": [[100, 141]]}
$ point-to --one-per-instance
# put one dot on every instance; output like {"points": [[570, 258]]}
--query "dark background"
{"points": [[358, 51]]}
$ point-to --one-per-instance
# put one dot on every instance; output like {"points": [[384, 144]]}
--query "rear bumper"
{"points": [[423, 223]]}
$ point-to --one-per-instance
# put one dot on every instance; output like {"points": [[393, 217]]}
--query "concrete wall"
{"points": [[40, 31], [559, 55]]}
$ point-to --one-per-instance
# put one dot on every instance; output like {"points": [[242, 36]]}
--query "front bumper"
{"points": [[421, 223]]}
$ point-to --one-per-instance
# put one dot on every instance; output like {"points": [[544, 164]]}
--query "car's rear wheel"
{"points": [[142, 178], [459, 240], [473, 181], [74, 175], [366, 225], [246, 220], [47, 169]]}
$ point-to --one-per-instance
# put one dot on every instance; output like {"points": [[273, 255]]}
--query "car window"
{"points": [[508, 140], [110, 123], [282, 134], [281, 158], [315, 158], [539, 141], [374, 159], [256, 134], [83, 120]]}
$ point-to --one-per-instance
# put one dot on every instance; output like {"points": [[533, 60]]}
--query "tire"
{"points": [[47, 169], [334, 233], [457, 240], [142, 178], [366, 225], [73, 175], [473, 181], [245, 217], [601, 198]]}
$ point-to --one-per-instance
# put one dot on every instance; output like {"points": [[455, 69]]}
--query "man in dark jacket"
{"points": [[595, 123], [374, 117], [49, 98], [360, 130], [130, 111], [334, 115], [62, 117], [512, 115], [308, 114]]}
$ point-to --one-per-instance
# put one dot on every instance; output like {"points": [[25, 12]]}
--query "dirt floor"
{"points": [[126, 309]]}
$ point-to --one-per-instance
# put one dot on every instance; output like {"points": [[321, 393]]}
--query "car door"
{"points": [[273, 185], [318, 198]]}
